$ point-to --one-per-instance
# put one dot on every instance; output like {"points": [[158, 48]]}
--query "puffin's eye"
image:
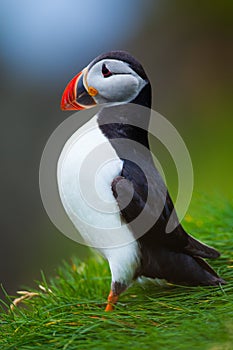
{"points": [[105, 71]]}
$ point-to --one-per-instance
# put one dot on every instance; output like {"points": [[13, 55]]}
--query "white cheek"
{"points": [[116, 88]]}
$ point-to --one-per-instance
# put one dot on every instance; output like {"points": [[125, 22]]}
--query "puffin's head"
{"points": [[110, 78]]}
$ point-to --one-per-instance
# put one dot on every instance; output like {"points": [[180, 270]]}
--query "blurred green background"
{"points": [[186, 50]]}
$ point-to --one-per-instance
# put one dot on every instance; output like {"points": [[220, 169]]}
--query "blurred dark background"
{"points": [[186, 49]]}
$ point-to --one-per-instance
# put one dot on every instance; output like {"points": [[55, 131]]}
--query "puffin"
{"points": [[111, 189]]}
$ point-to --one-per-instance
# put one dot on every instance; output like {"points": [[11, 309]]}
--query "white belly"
{"points": [[86, 168]]}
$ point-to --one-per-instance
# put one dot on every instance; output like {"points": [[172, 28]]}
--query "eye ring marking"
{"points": [[105, 71]]}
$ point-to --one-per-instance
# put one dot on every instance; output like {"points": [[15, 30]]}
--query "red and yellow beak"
{"points": [[77, 95]]}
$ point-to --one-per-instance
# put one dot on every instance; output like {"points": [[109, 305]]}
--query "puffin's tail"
{"points": [[183, 269], [211, 277], [190, 270]]}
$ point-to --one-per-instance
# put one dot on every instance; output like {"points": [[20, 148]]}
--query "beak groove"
{"points": [[75, 95]]}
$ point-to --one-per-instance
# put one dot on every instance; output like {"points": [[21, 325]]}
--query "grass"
{"points": [[68, 311]]}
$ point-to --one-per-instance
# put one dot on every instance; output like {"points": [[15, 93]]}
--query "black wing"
{"points": [[174, 256], [131, 191]]}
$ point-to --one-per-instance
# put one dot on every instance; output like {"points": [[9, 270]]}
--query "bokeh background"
{"points": [[186, 49]]}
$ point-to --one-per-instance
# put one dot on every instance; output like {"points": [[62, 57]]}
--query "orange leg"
{"points": [[112, 299]]}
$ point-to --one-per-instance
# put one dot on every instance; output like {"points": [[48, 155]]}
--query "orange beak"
{"points": [[75, 95]]}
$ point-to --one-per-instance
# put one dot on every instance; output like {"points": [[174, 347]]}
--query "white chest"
{"points": [[86, 168]]}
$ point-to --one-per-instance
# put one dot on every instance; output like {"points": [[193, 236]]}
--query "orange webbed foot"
{"points": [[112, 300]]}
